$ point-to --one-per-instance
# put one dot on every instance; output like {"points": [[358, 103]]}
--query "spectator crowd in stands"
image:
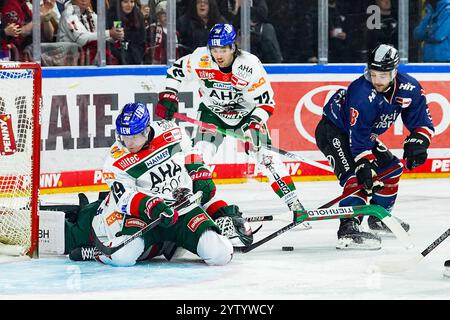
{"points": [[281, 31]]}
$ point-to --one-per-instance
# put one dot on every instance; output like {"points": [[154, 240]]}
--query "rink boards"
{"points": [[80, 105]]}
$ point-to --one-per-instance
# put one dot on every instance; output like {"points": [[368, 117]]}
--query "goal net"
{"points": [[20, 104]]}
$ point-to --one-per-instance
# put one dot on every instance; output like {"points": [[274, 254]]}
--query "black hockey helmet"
{"points": [[383, 58]]}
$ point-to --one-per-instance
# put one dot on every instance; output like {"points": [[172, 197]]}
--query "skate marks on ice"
{"points": [[59, 275]]}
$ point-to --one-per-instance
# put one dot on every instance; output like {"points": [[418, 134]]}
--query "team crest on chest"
{"points": [[353, 116]]}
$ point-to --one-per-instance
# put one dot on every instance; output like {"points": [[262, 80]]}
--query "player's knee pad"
{"points": [[214, 249], [356, 199], [127, 256]]}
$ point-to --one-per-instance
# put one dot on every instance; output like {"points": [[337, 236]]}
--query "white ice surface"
{"points": [[314, 270]]}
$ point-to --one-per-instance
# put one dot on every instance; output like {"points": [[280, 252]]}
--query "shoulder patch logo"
{"points": [[117, 152], [204, 62], [172, 135], [113, 217], [258, 84], [404, 102]]}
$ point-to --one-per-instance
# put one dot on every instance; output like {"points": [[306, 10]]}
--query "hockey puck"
{"points": [[287, 248]]}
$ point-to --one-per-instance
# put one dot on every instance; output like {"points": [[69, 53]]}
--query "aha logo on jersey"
{"points": [[353, 116]]}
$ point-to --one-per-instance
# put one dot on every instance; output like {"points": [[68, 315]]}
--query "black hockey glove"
{"points": [[415, 150], [382, 154], [364, 174]]}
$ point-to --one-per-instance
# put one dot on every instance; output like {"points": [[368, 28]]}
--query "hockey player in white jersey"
{"points": [[144, 169], [235, 94]]}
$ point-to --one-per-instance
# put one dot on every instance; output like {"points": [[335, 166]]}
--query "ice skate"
{"points": [[351, 238], [84, 253], [447, 269]]}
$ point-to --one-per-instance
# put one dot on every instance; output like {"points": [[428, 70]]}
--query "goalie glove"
{"points": [[167, 105], [364, 174], [415, 150], [253, 130]]}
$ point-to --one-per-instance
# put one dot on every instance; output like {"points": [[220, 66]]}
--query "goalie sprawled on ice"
{"points": [[149, 175]]}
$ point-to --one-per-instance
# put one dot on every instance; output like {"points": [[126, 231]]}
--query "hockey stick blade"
{"points": [[412, 261], [291, 225], [269, 237]]}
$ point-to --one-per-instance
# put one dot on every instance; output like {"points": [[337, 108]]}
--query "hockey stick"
{"points": [[110, 250], [399, 266], [259, 218], [231, 133], [288, 227]]}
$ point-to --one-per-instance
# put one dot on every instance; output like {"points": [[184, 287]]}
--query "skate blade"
{"points": [[349, 244], [382, 233]]}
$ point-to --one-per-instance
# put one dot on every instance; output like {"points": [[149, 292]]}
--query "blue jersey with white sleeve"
{"points": [[364, 114]]}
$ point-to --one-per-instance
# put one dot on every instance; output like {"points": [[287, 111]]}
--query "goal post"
{"points": [[20, 128]]}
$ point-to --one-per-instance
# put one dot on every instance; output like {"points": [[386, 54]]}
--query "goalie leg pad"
{"points": [[52, 232], [214, 249]]}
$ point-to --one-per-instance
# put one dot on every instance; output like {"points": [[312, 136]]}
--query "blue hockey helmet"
{"points": [[383, 58], [221, 35], [133, 119]]}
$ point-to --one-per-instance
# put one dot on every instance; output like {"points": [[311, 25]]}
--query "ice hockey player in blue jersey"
{"points": [[348, 135]]}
